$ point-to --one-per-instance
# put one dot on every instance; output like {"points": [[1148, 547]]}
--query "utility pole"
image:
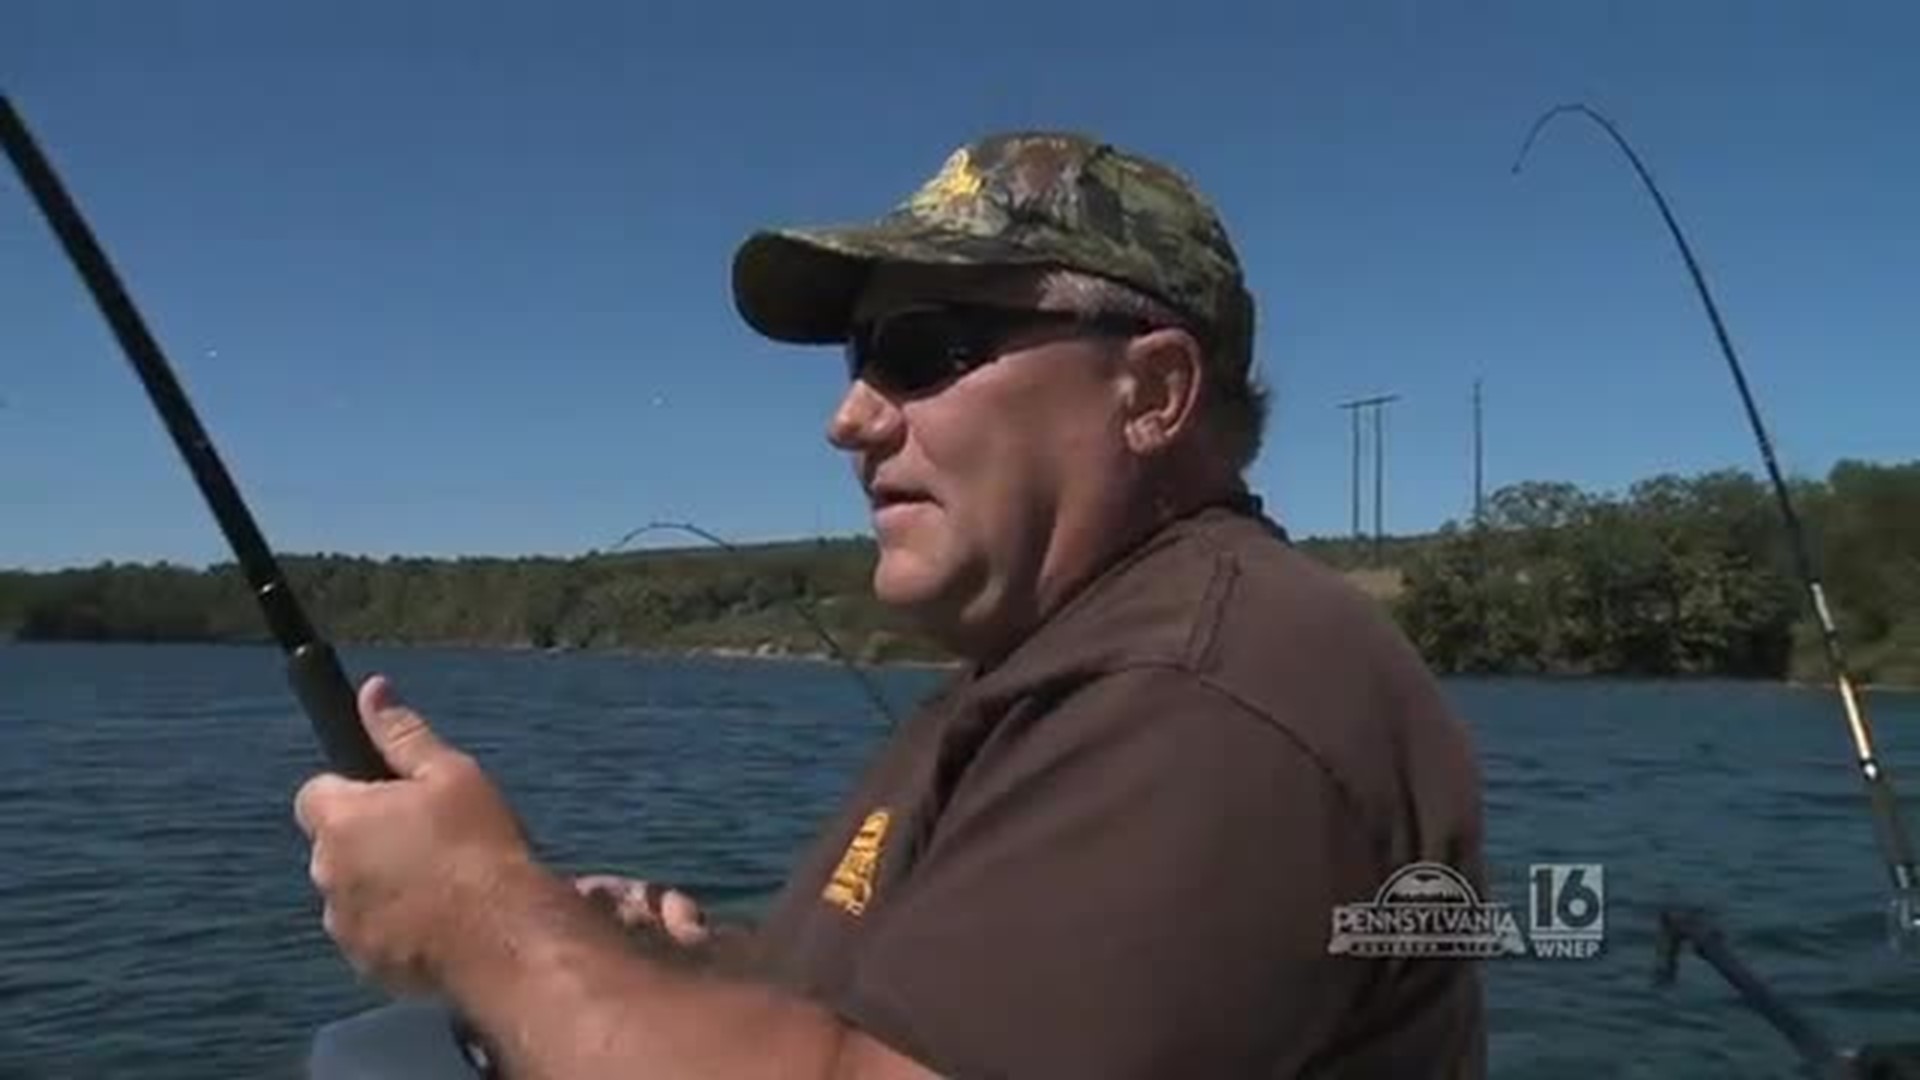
{"points": [[1353, 411], [1379, 475], [1375, 407], [1479, 462]]}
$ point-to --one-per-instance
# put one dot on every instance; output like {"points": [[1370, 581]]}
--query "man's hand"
{"points": [[668, 925], [647, 905], [430, 886], [403, 864]]}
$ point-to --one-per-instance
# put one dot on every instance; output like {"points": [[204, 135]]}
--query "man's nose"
{"points": [[865, 419]]}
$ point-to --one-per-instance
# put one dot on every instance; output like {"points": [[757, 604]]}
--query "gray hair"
{"points": [[1236, 403]]}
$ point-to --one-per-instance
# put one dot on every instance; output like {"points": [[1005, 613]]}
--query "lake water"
{"points": [[156, 920]]}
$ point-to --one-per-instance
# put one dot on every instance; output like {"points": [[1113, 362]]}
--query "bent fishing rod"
{"points": [[313, 667], [1904, 908], [872, 692]]}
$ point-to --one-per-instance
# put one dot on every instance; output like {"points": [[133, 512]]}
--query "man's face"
{"points": [[981, 485]]}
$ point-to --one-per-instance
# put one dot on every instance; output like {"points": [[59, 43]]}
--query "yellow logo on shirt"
{"points": [[851, 887]]}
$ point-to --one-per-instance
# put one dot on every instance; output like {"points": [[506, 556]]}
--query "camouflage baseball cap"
{"points": [[1027, 198]]}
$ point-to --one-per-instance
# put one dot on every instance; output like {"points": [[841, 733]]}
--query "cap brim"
{"points": [[802, 285]]}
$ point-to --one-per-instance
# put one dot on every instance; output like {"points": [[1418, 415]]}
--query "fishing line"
{"points": [[866, 685], [1904, 908]]}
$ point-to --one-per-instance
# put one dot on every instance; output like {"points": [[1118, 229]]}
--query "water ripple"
{"points": [[155, 918]]}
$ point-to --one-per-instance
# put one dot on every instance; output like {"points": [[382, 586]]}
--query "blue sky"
{"points": [[452, 278]]}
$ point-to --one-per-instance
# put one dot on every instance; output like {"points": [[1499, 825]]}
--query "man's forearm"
{"points": [[559, 991], [731, 949]]}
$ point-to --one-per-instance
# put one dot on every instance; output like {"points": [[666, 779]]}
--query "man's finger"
{"points": [[313, 803], [589, 884], [401, 734], [683, 918]]}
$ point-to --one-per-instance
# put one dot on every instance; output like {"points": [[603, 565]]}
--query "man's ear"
{"points": [[1163, 378]]}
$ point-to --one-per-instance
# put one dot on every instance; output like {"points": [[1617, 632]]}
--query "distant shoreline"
{"points": [[1871, 688], [711, 652], [733, 652], [776, 655], [1676, 578]]}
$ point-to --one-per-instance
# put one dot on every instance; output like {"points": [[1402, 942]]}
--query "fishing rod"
{"points": [[1904, 908], [866, 685], [313, 668], [1820, 1058], [449, 1046], [1682, 927]]}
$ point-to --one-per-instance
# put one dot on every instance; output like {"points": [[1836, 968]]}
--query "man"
{"points": [[1112, 846]]}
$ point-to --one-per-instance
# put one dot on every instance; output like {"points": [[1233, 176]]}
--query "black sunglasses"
{"points": [[917, 350]]}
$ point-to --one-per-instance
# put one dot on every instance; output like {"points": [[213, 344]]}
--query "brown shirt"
{"points": [[1117, 853]]}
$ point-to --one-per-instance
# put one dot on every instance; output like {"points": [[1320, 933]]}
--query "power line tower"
{"points": [[1375, 407]]}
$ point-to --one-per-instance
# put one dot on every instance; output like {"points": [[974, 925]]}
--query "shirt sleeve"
{"points": [[1137, 882]]}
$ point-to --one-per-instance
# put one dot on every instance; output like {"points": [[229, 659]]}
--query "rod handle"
{"points": [[334, 711]]}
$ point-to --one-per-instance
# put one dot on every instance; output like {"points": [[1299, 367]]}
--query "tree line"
{"points": [[1675, 576], [765, 599]]}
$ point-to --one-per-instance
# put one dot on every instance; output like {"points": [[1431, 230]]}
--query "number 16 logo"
{"points": [[1567, 916]]}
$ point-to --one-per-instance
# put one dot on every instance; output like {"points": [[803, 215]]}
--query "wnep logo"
{"points": [[1567, 910]]}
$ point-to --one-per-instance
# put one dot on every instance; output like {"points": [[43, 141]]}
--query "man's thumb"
{"points": [[401, 734]]}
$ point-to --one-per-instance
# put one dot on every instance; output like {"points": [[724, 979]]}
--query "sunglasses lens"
{"points": [[914, 352], [911, 353]]}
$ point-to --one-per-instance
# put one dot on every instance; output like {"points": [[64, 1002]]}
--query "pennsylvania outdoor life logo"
{"points": [[1431, 910]]}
